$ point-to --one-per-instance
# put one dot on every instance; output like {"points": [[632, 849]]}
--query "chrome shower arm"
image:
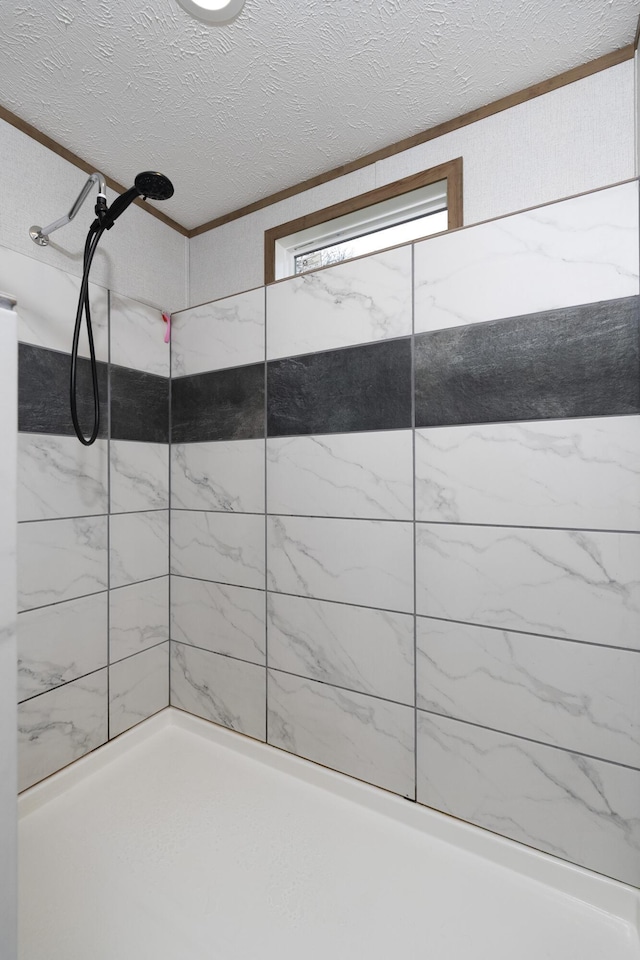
{"points": [[40, 235]]}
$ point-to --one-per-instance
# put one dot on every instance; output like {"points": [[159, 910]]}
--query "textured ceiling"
{"points": [[290, 89]]}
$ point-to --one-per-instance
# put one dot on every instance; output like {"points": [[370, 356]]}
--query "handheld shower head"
{"points": [[153, 186], [148, 185]]}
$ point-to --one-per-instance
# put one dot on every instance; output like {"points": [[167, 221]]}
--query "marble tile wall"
{"points": [[8, 613], [93, 540], [406, 523], [218, 597]]}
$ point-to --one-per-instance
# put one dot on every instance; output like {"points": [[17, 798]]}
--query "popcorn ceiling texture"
{"points": [[289, 90], [140, 258]]}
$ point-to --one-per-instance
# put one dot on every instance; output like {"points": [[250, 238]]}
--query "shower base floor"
{"points": [[183, 841]]}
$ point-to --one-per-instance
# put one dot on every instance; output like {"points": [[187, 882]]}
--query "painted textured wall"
{"points": [[575, 139], [405, 526], [93, 522], [140, 258]]}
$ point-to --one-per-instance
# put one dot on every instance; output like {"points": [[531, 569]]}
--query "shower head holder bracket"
{"points": [[40, 235]]}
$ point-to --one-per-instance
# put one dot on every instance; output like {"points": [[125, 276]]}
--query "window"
{"points": [[409, 209]]}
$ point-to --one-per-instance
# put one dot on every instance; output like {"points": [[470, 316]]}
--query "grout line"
{"points": [[507, 423], [266, 530], [60, 686], [129, 513], [69, 436], [414, 544], [529, 633], [406, 613], [80, 516], [519, 736], [56, 603], [109, 518], [134, 583], [338, 686], [109, 513], [524, 526], [419, 428], [170, 496], [295, 356], [218, 653], [219, 583], [90, 673], [101, 363], [138, 653], [214, 370], [304, 516], [415, 710], [96, 593]]}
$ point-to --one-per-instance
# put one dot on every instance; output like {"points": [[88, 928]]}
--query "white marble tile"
{"points": [[559, 583], [139, 476], [342, 475], [366, 562], [226, 547], [552, 473], [572, 695], [370, 651], [361, 736], [139, 546], [61, 726], [8, 651], [61, 559], [226, 475], [47, 303], [219, 617], [226, 691], [225, 333], [576, 251], [586, 811], [138, 617], [138, 688], [60, 643], [137, 336], [59, 477], [356, 302]]}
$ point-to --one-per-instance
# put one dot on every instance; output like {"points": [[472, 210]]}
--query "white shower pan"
{"points": [[184, 841]]}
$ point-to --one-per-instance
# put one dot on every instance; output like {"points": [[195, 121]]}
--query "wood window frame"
{"points": [[451, 171]]}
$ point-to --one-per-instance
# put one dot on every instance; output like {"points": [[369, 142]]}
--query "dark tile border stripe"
{"points": [[139, 401], [219, 405], [43, 392], [349, 390], [139, 405], [576, 362]]}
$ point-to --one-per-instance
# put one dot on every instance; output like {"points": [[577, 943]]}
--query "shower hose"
{"points": [[91, 244]]}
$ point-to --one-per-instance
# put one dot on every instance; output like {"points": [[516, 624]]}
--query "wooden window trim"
{"points": [[450, 171]]}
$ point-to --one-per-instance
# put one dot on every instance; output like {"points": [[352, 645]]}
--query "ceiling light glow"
{"points": [[213, 11]]}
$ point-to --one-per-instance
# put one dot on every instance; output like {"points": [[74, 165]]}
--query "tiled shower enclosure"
{"points": [[405, 498], [93, 544]]}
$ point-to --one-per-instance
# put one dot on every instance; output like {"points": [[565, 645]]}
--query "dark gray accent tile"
{"points": [[139, 406], [43, 392], [575, 362], [218, 405], [341, 391]]}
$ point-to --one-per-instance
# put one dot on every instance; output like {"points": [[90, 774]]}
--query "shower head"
{"points": [[148, 185], [154, 186]]}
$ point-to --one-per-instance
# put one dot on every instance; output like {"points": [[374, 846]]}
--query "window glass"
{"points": [[414, 229], [398, 219]]}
